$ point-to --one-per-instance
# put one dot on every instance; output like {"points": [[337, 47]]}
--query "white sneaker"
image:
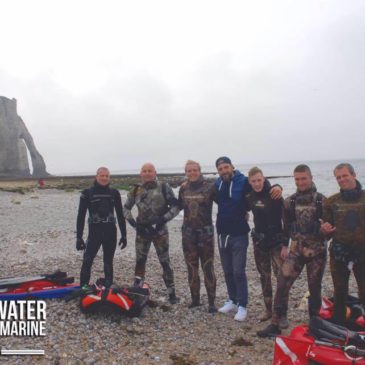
{"points": [[241, 314], [229, 306]]}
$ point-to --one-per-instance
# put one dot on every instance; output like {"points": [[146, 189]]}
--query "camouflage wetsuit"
{"points": [[196, 198], [267, 237], [155, 201], [346, 211], [302, 211]]}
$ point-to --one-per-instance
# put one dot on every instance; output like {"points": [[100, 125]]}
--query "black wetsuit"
{"points": [[267, 237], [100, 201]]}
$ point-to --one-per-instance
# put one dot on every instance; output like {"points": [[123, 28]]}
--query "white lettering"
{"points": [[14, 329], [12, 311], [41, 310], [22, 329], [3, 309], [31, 310], [23, 318], [21, 304], [4, 328], [42, 328]]}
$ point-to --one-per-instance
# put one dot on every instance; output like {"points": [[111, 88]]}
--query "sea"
{"points": [[282, 173], [278, 173], [322, 172]]}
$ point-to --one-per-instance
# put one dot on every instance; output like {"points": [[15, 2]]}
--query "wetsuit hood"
{"points": [[150, 184], [353, 194], [101, 187], [196, 184], [312, 189]]}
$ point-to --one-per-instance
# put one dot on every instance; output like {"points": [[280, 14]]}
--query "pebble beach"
{"points": [[37, 235]]}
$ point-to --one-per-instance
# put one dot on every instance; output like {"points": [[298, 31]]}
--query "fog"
{"points": [[120, 83]]}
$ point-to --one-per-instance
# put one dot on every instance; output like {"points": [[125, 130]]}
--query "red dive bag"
{"points": [[121, 300], [320, 343]]}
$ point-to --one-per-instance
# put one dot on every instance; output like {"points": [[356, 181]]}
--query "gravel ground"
{"points": [[37, 235]]}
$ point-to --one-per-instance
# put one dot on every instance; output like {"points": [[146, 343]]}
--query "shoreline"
{"points": [[126, 182]]}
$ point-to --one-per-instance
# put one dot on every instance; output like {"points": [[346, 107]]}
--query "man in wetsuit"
{"points": [[156, 205], [196, 197], [101, 201], [268, 239], [302, 212], [344, 221]]}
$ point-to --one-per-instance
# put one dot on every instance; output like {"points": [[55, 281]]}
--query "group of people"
{"points": [[287, 234]]}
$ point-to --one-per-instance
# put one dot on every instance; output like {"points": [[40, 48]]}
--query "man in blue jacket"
{"points": [[232, 229]]}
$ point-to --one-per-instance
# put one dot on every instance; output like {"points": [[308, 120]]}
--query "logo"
{"points": [[22, 318]]}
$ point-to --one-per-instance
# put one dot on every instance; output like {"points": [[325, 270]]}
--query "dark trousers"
{"points": [[340, 277], [100, 234], [233, 253]]}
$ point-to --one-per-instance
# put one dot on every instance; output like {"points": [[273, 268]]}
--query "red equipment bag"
{"points": [[126, 300], [320, 343]]}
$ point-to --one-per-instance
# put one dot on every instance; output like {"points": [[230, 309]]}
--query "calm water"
{"points": [[322, 176], [322, 173], [321, 170]]}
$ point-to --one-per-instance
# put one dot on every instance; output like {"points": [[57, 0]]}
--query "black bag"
{"points": [[329, 332]]}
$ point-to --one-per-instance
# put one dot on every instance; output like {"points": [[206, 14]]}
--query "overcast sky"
{"points": [[118, 83]]}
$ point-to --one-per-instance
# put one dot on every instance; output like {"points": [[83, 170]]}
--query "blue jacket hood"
{"points": [[232, 207], [238, 178]]}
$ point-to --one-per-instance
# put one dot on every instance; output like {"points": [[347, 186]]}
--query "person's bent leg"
{"points": [[289, 272], [93, 244], [225, 252], [263, 265], [206, 253], [161, 243], [143, 245], [191, 256], [359, 272], [276, 263], [276, 260], [315, 271], [109, 244], [340, 277], [239, 257]]}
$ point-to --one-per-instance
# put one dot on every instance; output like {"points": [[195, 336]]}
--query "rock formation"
{"points": [[15, 139]]}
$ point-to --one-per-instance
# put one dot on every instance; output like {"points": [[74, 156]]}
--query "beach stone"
{"points": [[49, 223]]}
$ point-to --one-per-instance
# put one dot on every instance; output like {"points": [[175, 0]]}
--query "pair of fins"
{"points": [[45, 286]]}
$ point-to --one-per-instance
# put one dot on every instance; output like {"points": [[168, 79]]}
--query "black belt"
{"points": [[96, 220]]}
